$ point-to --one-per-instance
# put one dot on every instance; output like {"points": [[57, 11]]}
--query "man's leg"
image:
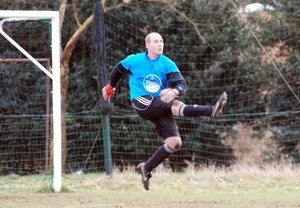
{"points": [[162, 153], [167, 129], [158, 157], [171, 145], [215, 111]]}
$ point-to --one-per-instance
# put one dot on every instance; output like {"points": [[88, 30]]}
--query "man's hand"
{"points": [[168, 95], [108, 92]]}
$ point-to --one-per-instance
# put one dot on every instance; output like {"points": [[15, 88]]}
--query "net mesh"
{"points": [[215, 54]]}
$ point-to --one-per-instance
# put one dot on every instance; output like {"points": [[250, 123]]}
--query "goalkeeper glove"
{"points": [[108, 91], [168, 95]]}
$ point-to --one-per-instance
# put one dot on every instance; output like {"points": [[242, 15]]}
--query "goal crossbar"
{"points": [[55, 76]]}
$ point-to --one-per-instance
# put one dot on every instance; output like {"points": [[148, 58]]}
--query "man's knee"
{"points": [[174, 142], [176, 106]]}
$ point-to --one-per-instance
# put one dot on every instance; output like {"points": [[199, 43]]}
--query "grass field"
{"points": [[272, 186]]}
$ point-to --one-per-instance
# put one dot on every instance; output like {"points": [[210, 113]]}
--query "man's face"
{"points": [[156, 44]]}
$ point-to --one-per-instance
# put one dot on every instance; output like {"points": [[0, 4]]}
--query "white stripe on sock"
{"points": [[168, 149], [181, 110]]}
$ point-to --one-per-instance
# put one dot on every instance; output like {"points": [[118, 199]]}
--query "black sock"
{"points": [[160, 155], [195, 110]]}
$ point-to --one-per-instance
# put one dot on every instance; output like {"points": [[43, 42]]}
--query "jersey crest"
{"points": [[152, 83]]}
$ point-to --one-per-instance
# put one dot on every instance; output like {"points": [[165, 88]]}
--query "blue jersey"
{"points": [[148, 77]]}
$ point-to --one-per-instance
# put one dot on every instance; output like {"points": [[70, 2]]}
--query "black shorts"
{"points": [[160, 113]]}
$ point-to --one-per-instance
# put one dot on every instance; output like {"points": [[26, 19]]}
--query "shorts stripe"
{"points": [[143, 100]]}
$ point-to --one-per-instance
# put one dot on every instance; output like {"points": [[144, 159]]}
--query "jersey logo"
{"points": [[152, 83]]}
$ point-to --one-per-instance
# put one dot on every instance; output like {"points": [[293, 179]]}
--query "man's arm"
{"points": [[177, 82], [110, 89], [117, 74], [177, 87]]}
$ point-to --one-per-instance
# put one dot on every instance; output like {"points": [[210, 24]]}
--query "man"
{"points": [[155, 81]]}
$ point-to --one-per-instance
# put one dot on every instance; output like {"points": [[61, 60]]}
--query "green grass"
{"points": [[247, 186]]}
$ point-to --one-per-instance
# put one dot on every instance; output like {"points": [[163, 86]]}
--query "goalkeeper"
{"points": [[155, 82]]}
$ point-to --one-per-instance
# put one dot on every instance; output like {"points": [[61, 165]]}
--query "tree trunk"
{"points": [[64, 86], [64, 74]]}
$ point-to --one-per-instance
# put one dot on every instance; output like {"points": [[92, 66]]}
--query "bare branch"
{"points": [[193, 23], [169, 4], [75, 13], [107, 9], [62, 11], [76, 37]]}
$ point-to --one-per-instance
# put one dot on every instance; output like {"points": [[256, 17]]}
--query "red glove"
{"points": [[108, 91]]}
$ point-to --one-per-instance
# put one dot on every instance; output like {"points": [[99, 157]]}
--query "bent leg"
{"points": [[171, 145], [158, 157], [174, 142]]}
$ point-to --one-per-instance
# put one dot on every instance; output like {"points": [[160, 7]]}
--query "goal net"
{"points": [[215, 51], [30, 98]]}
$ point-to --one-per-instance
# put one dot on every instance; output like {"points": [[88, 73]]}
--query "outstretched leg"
{"points": [[214, 111]]}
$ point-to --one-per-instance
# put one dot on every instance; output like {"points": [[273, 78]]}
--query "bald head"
{"points": [[151, 36], [154, 44]]}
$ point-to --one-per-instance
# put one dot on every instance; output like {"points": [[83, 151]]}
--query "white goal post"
{"points": [[7, 15]]}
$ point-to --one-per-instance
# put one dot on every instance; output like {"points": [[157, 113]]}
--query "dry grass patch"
{"points": [[239, 186]]}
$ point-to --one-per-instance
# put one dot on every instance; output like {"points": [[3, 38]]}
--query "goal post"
{"points": [[55, 76]]}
